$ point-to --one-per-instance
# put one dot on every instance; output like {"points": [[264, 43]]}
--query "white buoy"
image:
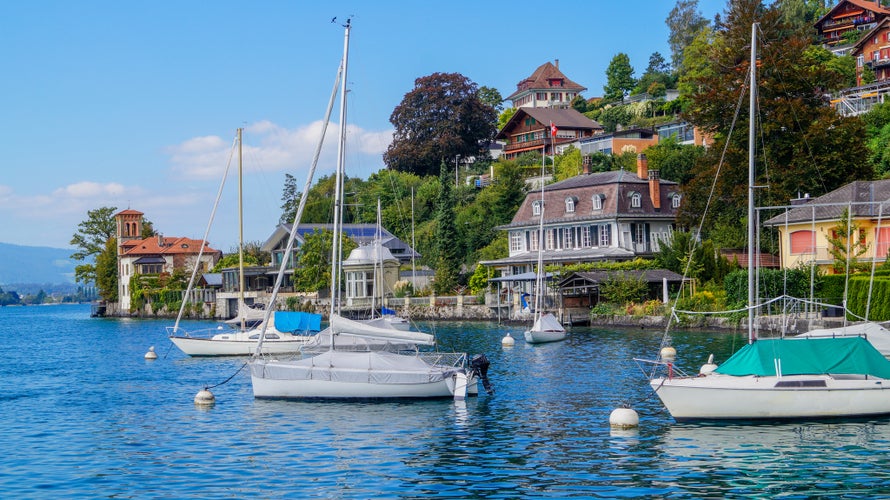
{"points": [[709, 366], [508, 340], [624, 418], [668, 353], [205, 398], [151, 354]]}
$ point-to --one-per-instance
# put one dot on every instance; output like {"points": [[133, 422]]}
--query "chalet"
{"points": [[848, 16], [544, 130], [154, 255], [632, 140], [872, 51], [547, 87], [805, 228], [614, 215]]}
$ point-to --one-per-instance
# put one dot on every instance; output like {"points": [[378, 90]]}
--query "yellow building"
{"points": [[806, 227]]}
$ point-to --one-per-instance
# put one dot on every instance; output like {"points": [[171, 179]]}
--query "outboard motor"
{"points": [[479, 366]]}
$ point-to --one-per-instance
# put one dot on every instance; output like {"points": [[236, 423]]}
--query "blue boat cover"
{"points": [[297, 322], [384, 311], [802, 356]]}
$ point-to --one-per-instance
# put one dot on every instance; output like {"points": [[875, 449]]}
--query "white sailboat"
{"points": [[356, 372], [546, 327], [784, 378], [247, 326]]}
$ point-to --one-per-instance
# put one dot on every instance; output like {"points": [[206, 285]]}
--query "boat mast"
{"points": [[751, 216], [338, 180], [242, 311]]}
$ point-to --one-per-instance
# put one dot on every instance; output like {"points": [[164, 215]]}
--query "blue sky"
{"points": [[135, 104]]}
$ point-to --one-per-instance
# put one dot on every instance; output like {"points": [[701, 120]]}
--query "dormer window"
{"points": [[570, 204], [537, 207], [635, 199], [598, 201], [675, 200]]}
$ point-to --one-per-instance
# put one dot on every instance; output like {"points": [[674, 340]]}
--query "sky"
{"points": [[136, 104]]}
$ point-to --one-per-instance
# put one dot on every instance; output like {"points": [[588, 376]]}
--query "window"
{"points": [[515, 242], [551, 239], [598, 201], [635, 200], [533, 240], [605, 235], [586, 242], [568, 237], [570, 204], [803, 242], [882, 237], [675, 200], [536, 207]]}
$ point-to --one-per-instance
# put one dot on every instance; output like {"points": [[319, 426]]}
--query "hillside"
{"points": [[24, 264]]}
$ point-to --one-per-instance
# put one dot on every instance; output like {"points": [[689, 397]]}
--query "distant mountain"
{"points": [[23, 264]]}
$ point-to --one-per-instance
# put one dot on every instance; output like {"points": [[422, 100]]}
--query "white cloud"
{"points": [[271, 148]]}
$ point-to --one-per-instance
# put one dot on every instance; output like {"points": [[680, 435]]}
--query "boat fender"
{"points": [[460, 386], [479, 366], [708, 367]]}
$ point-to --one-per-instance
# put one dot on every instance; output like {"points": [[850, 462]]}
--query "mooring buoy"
{"points": [[709, 366], [508, 340], [205, 397], [668, 353], [151, 354], [624, 418]]}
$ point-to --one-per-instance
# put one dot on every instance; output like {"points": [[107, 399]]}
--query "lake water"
{"points": [[83, 414]]}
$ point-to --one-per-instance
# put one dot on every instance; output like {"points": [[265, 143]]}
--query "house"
{"points": [[579, 291], [632, 140], [547, 87], [615, 215], [805, 227], [684, 132], [846, 17], [361, 234], [371, 273], [154, 255], [544, 130], [872, 51]]}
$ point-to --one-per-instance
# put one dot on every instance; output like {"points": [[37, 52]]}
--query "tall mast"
{"points": [[242, 310], [751, 216], [338, 179]]}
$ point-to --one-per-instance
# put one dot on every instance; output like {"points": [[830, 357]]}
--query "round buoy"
{"points": [[668, 353], [151, 354], [624, 418], [204, 397], [709, 366], [508, 340]]}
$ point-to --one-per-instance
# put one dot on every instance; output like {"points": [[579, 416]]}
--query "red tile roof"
{"points": [[542, 77], [171, 245], [129, 212]]}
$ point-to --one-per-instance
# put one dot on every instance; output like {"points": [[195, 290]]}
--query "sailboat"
{"points": [[356, 373], [546, 328], [286, 332], [782, 378]]}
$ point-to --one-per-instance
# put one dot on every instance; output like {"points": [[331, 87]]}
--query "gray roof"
{"points": [[555, 256], [862, 198], [648, 275]]}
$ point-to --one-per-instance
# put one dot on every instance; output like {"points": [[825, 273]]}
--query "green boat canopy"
{"points": [[808, 356]]}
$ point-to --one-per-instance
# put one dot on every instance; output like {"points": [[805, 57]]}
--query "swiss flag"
{"points": [[552, 129]]}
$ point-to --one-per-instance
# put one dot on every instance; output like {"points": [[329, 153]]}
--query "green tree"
{"points": [[313, 263], [685, 23], [447, 257], [568, 164], [621, 288], [105, 276], [808, 147], [846, 244], [491, 97], [674, 161], [90, 240], [579, 104], [619, 78], [657, 77], [505, 116], [440, 119], [802, 14]]}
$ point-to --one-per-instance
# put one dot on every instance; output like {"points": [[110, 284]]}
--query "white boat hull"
{"points": [[536, 337], [721, 397], [308, 379], [194, 346]]}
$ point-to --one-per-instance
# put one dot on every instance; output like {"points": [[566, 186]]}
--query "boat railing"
{"points": [[455, 359], [658, 366], [201, 333]]}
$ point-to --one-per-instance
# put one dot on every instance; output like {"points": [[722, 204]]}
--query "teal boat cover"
{"points": [[297, 322], [808, 356]]}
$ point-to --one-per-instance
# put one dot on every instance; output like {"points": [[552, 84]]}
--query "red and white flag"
{"points": [[552, 129]]}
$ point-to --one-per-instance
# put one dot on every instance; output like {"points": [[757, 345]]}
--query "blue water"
{"points": [[83, 414]]}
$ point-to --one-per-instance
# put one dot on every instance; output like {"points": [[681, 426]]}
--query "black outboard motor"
{"points": [[479, 365]]}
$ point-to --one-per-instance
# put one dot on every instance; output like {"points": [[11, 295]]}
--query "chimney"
{"points": [[654, 188], [556, 63], [642, 167], [585, 165], [160, 240]]}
